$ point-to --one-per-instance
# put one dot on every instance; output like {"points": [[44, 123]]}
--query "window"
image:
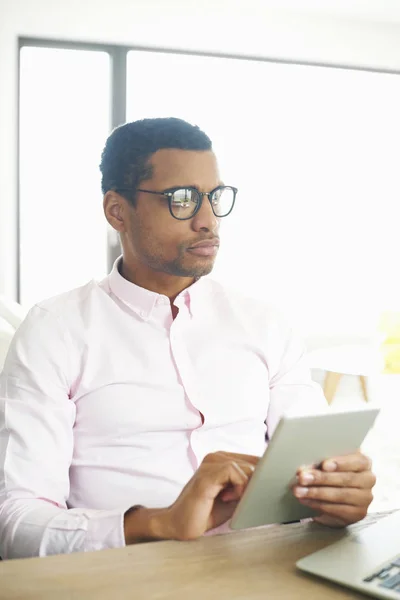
{"points": [[312, 151], [64, 121]]}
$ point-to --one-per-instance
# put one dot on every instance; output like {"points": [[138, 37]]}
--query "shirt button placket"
{"points": [[185, 373]]}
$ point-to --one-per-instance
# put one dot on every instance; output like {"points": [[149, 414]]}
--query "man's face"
{"points": [[159, 241]]}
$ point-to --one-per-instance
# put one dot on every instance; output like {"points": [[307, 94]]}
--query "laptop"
{"points": [[366, 559]]}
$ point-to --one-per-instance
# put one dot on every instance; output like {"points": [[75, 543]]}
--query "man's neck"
{"points": [[160, 283]]}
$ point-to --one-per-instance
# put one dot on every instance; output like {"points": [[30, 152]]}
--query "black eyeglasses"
{"points": [[184, 203]]}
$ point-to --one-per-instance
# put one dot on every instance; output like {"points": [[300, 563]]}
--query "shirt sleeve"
{"points": [[291, 388], [36, 447]]}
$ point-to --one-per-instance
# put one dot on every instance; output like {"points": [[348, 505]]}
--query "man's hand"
{"points": [[339, 489], [208, 500]]}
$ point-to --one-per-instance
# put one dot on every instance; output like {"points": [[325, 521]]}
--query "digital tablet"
{"points": [[297, 441]]}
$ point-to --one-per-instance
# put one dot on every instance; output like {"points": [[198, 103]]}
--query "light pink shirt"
{"points": [[101, 400]]}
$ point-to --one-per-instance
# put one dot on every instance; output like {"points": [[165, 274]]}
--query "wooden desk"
{"points": [[253, 564]]}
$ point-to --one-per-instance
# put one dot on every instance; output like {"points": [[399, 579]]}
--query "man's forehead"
{"points": [[171, 163]]}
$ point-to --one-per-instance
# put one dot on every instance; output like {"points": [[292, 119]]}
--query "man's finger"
{"points": [[246, 458], [245, 468], [355, 463], [344, 513], [232, 493], [363, 480], [336, 495], [229, 456], [213, 477]]}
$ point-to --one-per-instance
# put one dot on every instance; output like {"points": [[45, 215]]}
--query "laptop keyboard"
{"points": [[388, 576]]}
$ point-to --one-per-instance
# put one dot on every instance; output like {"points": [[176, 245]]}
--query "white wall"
{"points": [[252, 27]]}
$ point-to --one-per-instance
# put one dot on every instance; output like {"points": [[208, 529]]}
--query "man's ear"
{"points": [[115, 210]]}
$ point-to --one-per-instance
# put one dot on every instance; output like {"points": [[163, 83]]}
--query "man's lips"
{"points": [[205, 248], [205, 243]]}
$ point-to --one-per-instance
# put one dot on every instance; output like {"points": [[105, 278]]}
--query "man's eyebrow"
{"points": [[196, 187]]}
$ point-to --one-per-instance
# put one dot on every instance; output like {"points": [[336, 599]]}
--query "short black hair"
{"points": [[124, 160]]}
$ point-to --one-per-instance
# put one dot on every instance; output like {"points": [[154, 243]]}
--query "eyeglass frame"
{"points": [[170, 192]]}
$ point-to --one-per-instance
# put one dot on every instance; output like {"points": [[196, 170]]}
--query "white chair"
{"points": [[11, 316], [340, 355]]}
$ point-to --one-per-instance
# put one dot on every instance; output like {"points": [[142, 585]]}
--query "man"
{"points": [[136, 408]]}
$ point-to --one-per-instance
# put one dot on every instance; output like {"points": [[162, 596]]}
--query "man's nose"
{"points": [[205, 219]]}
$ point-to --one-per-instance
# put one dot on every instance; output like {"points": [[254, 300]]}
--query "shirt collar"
{"points": [[143, 301]]}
